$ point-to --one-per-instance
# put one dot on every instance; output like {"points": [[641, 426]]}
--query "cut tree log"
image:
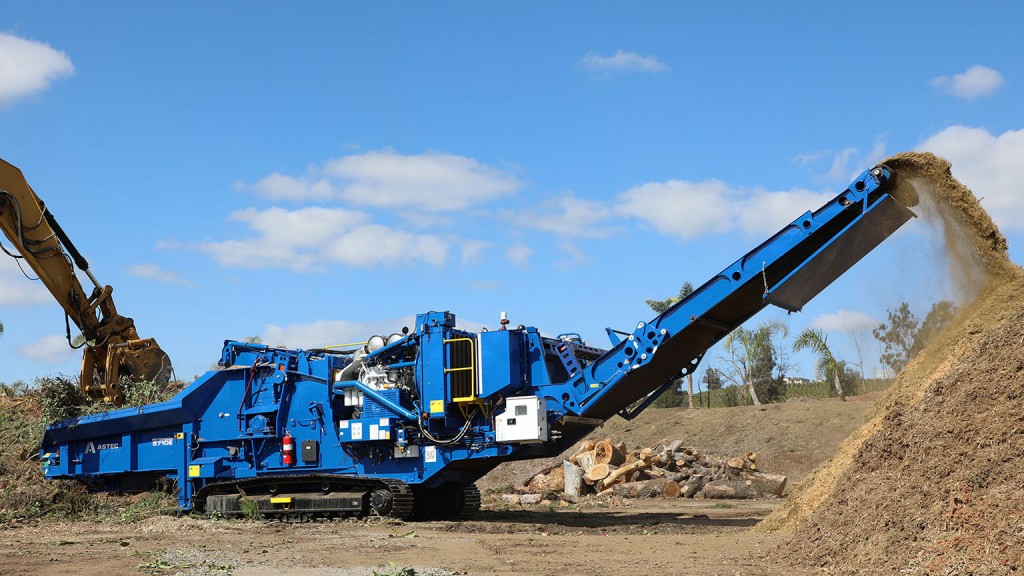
{"points": [[679, 476], [655, 472], [572, 479], [585, 446], [607, 453], [585, 460], [667, 459], [767, 484], [530, 499], [599, 472], [625, 489], [657, 488], [621, 447], [624, 470], [671, 489], [723, 488], [549, 479], [694, 484]]}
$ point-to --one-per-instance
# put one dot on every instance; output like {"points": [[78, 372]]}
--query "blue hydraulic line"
{"points": [[378, 398]]}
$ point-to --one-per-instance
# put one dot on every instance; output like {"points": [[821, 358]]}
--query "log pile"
{"points": [[665, 470]]}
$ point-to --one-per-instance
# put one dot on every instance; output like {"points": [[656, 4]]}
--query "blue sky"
{"points": [[321, 173]]}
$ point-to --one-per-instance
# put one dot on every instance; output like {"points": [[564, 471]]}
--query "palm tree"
{"points": [[660, 306], [826, 363], [751, 354]]}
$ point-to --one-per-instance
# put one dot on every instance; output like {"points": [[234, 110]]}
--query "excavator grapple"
{"points": [[404, 424]]}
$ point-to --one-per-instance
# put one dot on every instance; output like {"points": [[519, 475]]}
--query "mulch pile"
{"points": [[934, 481]]}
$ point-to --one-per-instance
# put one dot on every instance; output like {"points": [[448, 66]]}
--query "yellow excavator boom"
{"points": [[112, 348]]}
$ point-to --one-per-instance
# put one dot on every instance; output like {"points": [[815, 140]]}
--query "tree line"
{"points": [[758, 362]]}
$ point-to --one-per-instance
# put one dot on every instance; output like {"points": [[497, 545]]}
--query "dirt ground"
{"points": [[648, 537]]}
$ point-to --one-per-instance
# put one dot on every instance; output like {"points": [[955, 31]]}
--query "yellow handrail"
{"points": [[472, 369]]}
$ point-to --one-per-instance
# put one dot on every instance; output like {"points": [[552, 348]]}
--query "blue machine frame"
{"points": [[438, 406]]}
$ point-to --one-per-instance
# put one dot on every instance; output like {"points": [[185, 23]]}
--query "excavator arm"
{"points": [[113, 348]]}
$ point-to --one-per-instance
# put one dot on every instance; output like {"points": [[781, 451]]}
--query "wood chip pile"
{"points": [[666, 470]]}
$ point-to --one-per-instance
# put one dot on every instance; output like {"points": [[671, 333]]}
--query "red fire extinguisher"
{"points": [[288, 449]]}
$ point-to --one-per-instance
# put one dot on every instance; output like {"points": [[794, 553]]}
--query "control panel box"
{"points": [[525, 420]]}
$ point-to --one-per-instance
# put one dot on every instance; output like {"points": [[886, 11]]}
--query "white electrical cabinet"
{"points": [[525, 420]]}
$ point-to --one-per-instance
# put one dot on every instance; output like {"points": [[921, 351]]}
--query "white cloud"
{"points": [[158, 274], [574, 255], [277, 186], [845, 165], [331, 332], [972, 83], [844, 321], [567, 215], [311, 239], [422, 220], [807, 158], [374, 244], [990, 165], [689, 210], [681, 208], [472, 251], [876, 154], [52, 350], [764, 212], [841, 164], [28, 67], [16, 290], [519, 255], [431, 182], [622, 61]]}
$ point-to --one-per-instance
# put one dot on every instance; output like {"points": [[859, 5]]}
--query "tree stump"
{"points": [[573, 479]]}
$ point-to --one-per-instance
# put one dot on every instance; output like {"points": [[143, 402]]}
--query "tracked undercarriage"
{"points": [[307, 497]]}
